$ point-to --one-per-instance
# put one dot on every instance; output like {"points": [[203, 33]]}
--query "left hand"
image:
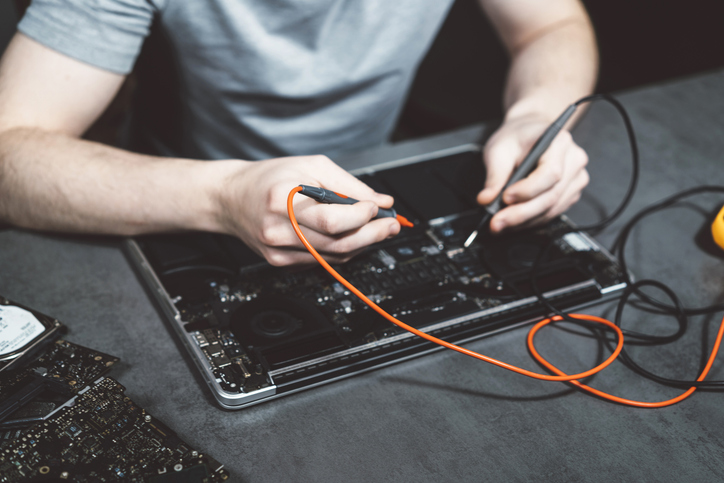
{"points": [[555, 184]]}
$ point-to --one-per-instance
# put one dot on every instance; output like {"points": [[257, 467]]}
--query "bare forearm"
{"points": [[551, 70], [51, 181], [554, 62]]}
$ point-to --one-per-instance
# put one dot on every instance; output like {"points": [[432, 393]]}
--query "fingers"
{"points": [[335, 249], [342, 246], [559, 165], [333, 177], [323, 223], [283, 174], [259, 211], [334, 220], [546, 193], [501, 155]]}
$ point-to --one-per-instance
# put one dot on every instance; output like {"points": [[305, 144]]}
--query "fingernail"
{"points": [[497, 225], [485, 194], [394, 229]]}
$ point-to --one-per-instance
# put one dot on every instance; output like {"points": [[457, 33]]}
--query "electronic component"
{"points": [[102, 435], [23, 332], [63, 369], [61, 420]]}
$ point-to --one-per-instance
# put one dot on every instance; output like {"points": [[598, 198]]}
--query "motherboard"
{"points": [[267, 327], [101, 435], [62, 419]]}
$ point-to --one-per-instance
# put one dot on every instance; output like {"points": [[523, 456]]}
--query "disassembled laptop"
{"points": [[258, 332]]}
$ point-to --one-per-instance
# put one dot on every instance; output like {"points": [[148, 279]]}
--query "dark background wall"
{"points": [[461, 80], [641, 42], [8, 19]]}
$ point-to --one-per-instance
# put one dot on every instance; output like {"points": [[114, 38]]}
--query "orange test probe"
{"points": [[327, 196]]}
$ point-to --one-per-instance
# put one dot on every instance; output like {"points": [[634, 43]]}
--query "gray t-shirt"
{"points": [[250, 79]]}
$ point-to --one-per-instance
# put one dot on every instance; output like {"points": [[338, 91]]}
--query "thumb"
{"points": [[500, 157]]}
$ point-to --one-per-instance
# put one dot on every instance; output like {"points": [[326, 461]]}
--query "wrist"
{"points": [[538, 107], [217, 194], [544, 107]]}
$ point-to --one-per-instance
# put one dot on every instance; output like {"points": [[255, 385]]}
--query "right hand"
{"points": [[253, 206], [553, 186]]}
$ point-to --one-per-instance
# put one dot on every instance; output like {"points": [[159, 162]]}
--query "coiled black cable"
{"points": [[675, 309], [622, 238]]}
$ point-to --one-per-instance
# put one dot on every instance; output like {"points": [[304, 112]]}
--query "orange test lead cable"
{"points": [[561, 375]]}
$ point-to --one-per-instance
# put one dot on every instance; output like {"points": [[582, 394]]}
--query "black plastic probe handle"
{"points": [[385, 213], [322, 195], [531, 159]]}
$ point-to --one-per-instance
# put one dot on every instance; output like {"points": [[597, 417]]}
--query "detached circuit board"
{"points": [[62, 420]]}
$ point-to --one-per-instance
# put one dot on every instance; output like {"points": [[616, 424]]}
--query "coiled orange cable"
{"points": [[531, 334]]}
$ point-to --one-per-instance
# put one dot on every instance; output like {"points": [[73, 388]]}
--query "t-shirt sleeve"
{"points": [[104, 33]]}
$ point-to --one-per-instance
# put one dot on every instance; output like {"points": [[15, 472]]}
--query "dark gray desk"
{"points": [[447, 417]]}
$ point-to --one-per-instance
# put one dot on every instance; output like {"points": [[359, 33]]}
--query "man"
{"points": [[263, 80]]}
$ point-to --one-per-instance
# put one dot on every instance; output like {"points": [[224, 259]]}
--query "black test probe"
{"points": [[524, 169], [322, 195]]}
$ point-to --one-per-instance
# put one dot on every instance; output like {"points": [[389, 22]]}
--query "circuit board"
{"points": [[266, 327], [102, 435], [64, 369], [61, 419]]}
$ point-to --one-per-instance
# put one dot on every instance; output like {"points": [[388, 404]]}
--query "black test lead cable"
{"points": [[596, 227], [676, 309], [530, 162], [692, 385]]}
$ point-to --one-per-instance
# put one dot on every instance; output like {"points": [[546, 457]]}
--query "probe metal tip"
{"points": [[471, 239], [404, 221]]}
